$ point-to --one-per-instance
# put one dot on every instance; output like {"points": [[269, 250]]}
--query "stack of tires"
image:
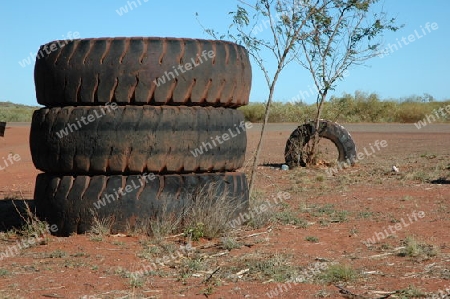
{"points": [[131, 122]]}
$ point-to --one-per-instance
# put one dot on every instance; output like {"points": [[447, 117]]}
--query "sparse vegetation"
{"points": [[328, 213], [263, 217], [101, 228], [277, 267], [230, 243], [208, 215], [288, 217], [33, 227], [195, 231], [360, 107], [338, 273], [322, 294], [11, 112], [312, 239], [365, 214], [57, 254], [416, 249], [136, 282], [190, 266], [410, 292], [164, 224], [4, 272]]}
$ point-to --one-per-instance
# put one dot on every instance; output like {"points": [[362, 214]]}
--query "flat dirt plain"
{"points": [[367, 229]]}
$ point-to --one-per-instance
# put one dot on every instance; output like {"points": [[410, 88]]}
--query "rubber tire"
{"points": [[125, 70], [2, 128], [136, 139], [328, 130], [69, 201]]}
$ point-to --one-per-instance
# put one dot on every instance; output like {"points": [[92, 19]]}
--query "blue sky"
{"points": [[417, 68]]}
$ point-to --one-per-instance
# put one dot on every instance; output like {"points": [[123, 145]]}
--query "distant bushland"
{"points": [[357, 108], [10, 112]]}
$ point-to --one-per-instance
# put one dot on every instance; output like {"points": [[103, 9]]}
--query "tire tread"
{"points": [[68, 201], [136, 139], [123, 70]]}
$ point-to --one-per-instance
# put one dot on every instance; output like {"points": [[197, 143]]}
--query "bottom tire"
{"points": [[327, 129], [74, 203]]}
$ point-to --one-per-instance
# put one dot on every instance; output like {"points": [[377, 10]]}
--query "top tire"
{"points": [[142, 70]]}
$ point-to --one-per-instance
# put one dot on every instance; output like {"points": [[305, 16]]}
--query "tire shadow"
{"points": [[441, 182], [13, 213], [2, 128]]}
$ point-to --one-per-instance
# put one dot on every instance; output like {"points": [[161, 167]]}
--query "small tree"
{"points": [[314, 29], [286, 21], [346, 33]]}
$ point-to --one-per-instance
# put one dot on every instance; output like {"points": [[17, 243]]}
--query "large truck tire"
{"points": [[142, 70], [137, 139], [73, 203]]}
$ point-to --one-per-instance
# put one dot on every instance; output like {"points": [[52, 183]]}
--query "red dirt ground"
{"points": [[337, 214]]}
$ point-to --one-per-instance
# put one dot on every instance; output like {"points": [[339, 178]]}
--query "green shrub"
{"points": [[254, 112], [408, 112], [338, 273], [10, 112], [360, 107]]}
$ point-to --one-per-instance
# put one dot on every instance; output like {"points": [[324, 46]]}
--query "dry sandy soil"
{"points": [[303, 246]]}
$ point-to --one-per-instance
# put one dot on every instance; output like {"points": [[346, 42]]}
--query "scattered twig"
{"points": [[211, 275], [387, 253], [119, 235], [174, 236], [220, 254], [27, 221], [110, 249], [252, 235], [373, 272], [210, 245], [240, 273], [383, 293], [48, 289], [349, 295]]}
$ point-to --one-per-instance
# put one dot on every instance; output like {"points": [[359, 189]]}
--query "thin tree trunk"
{"points": [[259, 146], [313, 152]]}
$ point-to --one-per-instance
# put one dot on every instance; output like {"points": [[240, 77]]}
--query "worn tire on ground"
{"points": [[328, 130], [72, 203], [137, 139], [127, 70]]}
